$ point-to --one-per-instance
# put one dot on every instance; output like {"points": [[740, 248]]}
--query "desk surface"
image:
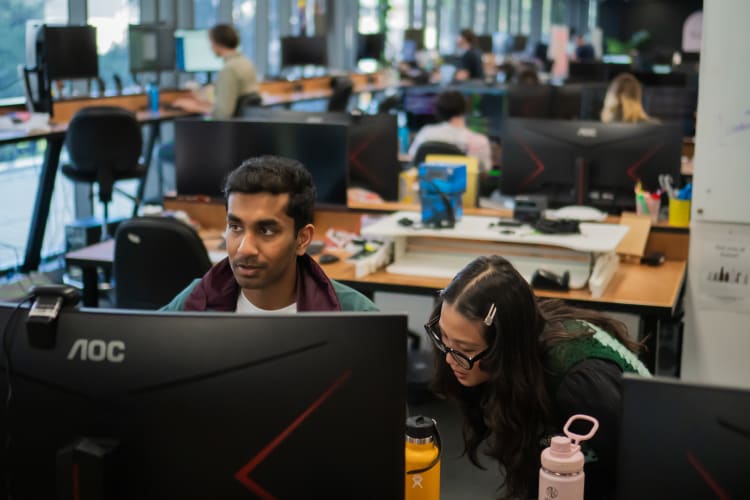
{"points": [[635, 288]]}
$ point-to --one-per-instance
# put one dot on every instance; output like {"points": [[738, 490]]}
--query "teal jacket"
{"points": [[218, 291]]}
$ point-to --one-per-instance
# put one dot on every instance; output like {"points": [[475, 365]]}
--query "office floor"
{"points": [[459, 479]]}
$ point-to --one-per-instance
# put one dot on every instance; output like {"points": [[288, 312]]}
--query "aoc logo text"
{"points": [[98, 350]]}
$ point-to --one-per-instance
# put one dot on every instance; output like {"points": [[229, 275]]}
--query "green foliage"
{"points": [[637, 40]]}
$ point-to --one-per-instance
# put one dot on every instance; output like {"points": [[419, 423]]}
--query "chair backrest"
{"points": [[435, 148], [106, 141], [253, 99], [343, 87], [155, 259]]}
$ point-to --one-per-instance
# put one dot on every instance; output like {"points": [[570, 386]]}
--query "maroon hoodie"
{"points": [[218, 290]]}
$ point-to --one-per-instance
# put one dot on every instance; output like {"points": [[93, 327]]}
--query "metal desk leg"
{"points": [[41, 205], [90, 286], [153, 134]]}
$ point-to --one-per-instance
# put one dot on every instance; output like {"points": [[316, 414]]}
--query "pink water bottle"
{"points": [[561, 475]]}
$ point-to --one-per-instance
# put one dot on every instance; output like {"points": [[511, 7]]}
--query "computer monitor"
{"points": [[209, 405], [370, 46], [681, 440], [419, 106], [207, 150], [529, 101], [69, 52], [587, 72], [587, 162], [193, 52], [372, 142], [486, 107], [484, 43], [151, 47], [304, 51], [519, 43], [416, 35]]}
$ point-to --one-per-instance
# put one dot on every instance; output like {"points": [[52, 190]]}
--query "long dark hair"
{"points": [[513, 409]]}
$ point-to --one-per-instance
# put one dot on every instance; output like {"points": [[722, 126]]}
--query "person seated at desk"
{"points": [[470, 65], [236, 78], [622, 102], [269, 202], [520, 368], [584, 51], [450, 107]]}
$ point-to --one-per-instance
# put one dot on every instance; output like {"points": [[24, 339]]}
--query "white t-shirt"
{"points": [[475, 145], [244, 306]]}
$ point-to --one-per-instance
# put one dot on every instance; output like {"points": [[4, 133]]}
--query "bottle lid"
{"points": [[419, 427], [564, 453]]}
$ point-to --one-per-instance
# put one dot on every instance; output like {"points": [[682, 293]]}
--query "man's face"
{"points": [[261, 241]]}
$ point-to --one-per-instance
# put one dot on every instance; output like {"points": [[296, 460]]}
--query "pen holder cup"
{"points": [[651, 204], [679, 212]]}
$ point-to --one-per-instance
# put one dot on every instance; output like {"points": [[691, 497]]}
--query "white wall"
{"points": [[716, 347]]}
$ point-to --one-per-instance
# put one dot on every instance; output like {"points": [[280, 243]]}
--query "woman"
{"points": [[519, 368], [623, 101]]}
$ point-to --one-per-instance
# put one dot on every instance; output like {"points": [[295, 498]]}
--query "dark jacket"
{"points": [[218, 291]]}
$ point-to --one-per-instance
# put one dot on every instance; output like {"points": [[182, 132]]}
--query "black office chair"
{"points": [[251, 100], [435, 148], [155, 259], [343, 87], [104, 144]]}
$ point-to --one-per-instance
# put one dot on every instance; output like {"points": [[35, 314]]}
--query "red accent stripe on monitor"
{"points": [[539, 166], [242, 475], [632, 169], [76, 483], [718, 491]]}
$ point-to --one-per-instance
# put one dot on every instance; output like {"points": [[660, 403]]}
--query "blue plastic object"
{"points": [[152, 90], [441, 187]]}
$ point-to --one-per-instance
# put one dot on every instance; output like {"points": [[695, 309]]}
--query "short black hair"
{"points": [[449, 104], [225, 35], [470, 37], [276, 175]]}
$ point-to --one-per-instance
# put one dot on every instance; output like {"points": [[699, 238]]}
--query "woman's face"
{"points": [[466, 336]]}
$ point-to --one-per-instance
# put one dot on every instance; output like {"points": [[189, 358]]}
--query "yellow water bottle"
{"points": [[422, 459]]}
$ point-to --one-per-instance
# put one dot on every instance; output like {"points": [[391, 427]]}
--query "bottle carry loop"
{"points": [[439, 444]]}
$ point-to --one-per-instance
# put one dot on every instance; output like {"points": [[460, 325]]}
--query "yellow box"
{"points": [[408, 186], [472, 174], [679, 212]]}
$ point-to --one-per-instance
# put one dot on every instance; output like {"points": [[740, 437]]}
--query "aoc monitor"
{"points": [[681, 440], [149, 405], [304, 51], [485, 43], [69, 52], [193, 52], [151, 47], [587, 162], [201, 170]]}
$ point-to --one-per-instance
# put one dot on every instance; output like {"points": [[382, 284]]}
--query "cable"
{"points": [[6, 347]]}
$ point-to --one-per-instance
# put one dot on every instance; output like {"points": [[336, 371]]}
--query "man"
{"points": [[470, 65], [450, 108], [584, 51], [269, 203], [236, 78]]}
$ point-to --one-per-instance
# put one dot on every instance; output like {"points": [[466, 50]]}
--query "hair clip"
{"points": [[490, 315]]}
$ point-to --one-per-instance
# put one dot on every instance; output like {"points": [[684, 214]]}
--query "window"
{"points": [[417, 19], [464, 14], [204, 13], [526, 17], [593, 11], [243, 17], [502, 24], [396, 21], [448, 27], [274, 43], [480, 17], [430, 32], [20, 163], [111, 18], [514, 16], [369, 16], [546, 19]]}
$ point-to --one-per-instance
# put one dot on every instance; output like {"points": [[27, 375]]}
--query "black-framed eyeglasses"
{"points": [[464, 361]]}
